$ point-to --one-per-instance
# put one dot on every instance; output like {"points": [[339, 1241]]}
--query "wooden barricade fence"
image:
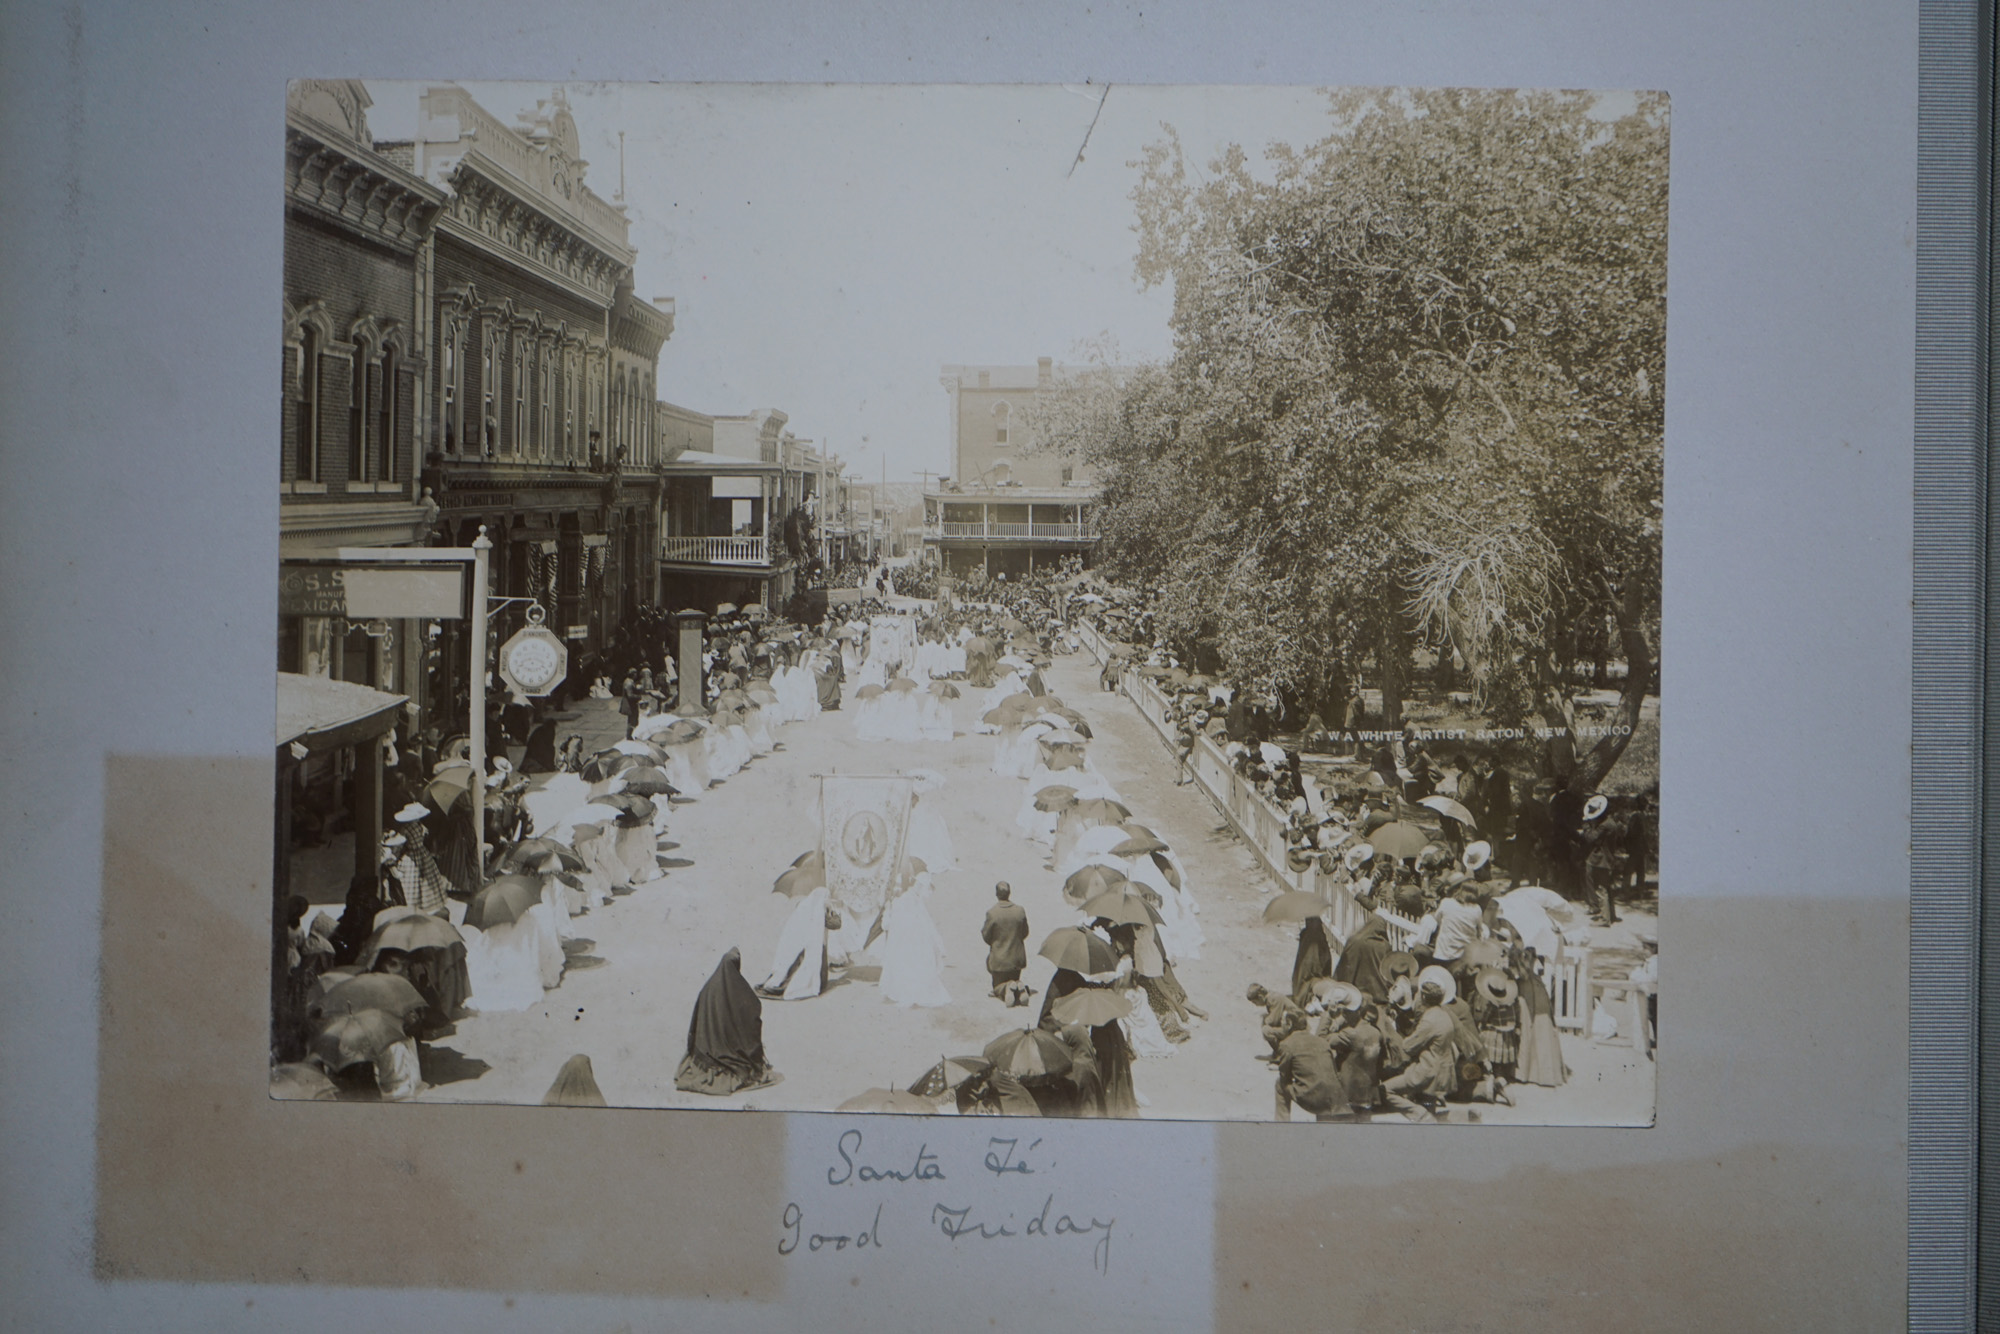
{"points": [[1261, 825]]}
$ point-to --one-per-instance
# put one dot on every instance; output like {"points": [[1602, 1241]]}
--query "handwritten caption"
{"points": [[1012, 1195]]}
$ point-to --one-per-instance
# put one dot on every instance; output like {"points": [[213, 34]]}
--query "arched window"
{"points": [[519, 437], [448, 397], [360, 462], [489, 378], [385, 416], [1002, 417], [308, 412], [572, 391], [546, 408]]}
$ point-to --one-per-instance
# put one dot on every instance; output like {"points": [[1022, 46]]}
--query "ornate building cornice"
{"points": [[488, 209], [330, 178]]}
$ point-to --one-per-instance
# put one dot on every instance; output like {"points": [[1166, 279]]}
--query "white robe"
{"points": [[799, 962], [511, 965], [930, 839], [911, 950]]}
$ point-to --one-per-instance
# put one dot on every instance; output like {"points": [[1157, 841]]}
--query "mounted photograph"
{"points": [[1049, 601]]}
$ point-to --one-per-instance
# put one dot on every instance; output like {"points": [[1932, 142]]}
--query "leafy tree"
{"points": [[1416, 392]]}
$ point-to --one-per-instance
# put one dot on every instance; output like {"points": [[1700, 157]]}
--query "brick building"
{"points": [[359, 229], [541, 424], [1004, 508]]}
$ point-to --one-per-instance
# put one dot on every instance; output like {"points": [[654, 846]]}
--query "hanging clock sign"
{"points": [[533, 661]]}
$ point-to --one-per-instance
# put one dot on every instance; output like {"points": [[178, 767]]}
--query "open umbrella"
{"points": [[417, 931], [349, 1039], [609, 763], [1101, 810], [1029, 1054], [1139, 844], [392, 995], [505, 900], [868, 692], [887, 1100], [646, 781], [1063, 736], [732, 699], [1079, 951], [643, 749], [448, 787], [1120, 908], [802, 877], [1446, 806], [1294, 905], [1055, 797], [1167, 870], [902, 685], [541, 854], [302, 1082], [1091, 1006], [725, 609], [1090, 882], [941, 1079], [1397, 840], [632, 808], [944, 690]]}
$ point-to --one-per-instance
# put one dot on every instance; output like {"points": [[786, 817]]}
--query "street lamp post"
{"points": [[480, 546]]}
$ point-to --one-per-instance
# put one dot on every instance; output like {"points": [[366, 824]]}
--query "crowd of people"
{"points": [[1440, 997], [478, 923]]}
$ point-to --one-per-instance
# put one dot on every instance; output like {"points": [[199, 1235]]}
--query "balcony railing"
{"points": [[1054, 532], [716, 550]]}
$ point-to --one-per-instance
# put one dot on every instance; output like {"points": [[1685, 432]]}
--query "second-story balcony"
{"points": [[1047, 532], [736, 551]]}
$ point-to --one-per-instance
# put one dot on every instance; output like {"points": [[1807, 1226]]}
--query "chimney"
{"points": [[1044, 371]]}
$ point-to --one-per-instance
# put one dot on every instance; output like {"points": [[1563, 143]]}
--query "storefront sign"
{"points": [[365, 592]]}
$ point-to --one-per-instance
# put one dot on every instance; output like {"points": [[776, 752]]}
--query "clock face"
{"points": [[534, 662]]}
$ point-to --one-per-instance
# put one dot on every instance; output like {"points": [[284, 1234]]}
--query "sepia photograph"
{"points": [[1058, 601]]}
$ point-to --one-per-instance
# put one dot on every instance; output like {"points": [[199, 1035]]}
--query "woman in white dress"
{"points": [[512, 964], [930, 838], [911, 950], [799, 965]]}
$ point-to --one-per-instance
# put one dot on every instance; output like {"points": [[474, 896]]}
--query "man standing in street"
{"points": [[1005, 932]]}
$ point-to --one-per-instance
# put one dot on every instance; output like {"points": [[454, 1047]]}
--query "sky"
{"points": [[830, 247]]}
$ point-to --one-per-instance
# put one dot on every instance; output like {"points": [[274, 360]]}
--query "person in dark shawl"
{"points": [[575, 1086], [357, 919], [1540, 1059], [1314, 960], [451, 841], [1061, 984], [1083, 1074], [540, 757], [980, 660], [1362, 960], [1114, 1069], [725, 1047]]}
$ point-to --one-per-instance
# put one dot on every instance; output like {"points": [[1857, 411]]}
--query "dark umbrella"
{"points": [[868, 692], [633, 809], [1120, 909], [1079, 951], [1397, 840], [370, 991], [1294, 906], [302, 1082], [1139, 844], [802, 877], [1055, 797], [1173, 877], [646, 781], [349, 1039], [411, 932], [887, 1100], [536, 854], [1029, 1054], [944, 690], [1090, 882], [1101, 810], [608, 763], [1091, 1006], [507, 899], [948, 1074]]}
